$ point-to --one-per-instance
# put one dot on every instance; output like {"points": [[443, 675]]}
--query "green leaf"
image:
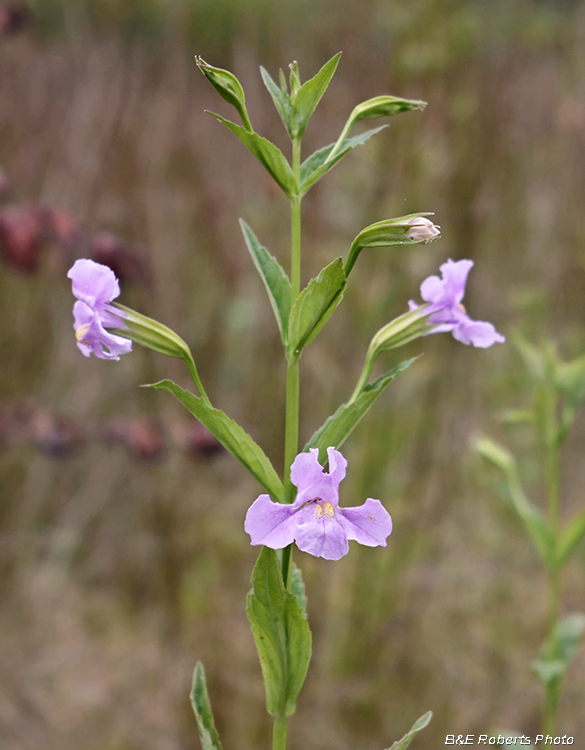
{"points": [[280, 97], [297, 586], [379, 106], [309, 96], [421, 723], [317, 165], [337, 427], [559, 650], [281, 634], [274, 277], [271, 157], [533, 521], [570, 538], [233, 438], [202, 708], [228, 87], [314, 307]]}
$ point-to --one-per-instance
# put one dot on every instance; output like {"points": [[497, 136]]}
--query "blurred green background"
{"points": [[122, 553]]}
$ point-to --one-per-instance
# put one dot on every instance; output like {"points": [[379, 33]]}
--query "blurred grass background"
{"points": [[122, 564]]}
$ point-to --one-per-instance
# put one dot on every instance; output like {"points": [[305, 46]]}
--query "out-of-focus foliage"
{"points": [[108, 557]]}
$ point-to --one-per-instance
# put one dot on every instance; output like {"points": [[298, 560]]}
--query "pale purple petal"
{"points": [[368, 524], [93, 283], [269, 523], [319, 534], [337, 466], [306, 469], [454, 278], [431, 290], [478, 333]]}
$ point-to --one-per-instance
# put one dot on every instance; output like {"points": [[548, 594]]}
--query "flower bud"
{"points": [[404, 230], [228, 87], [422, 230], [379, 106]]}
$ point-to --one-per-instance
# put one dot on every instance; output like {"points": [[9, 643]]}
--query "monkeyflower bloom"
{"points": [[444, 296], [314, 520], [95, 286]]}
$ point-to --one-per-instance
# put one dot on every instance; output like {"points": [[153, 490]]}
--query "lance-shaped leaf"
{"points": [[533, 521], [558, 652], [318, 164], [386, 233], [233, 438], [274, 277], [309, 95], [570, 538], [379, 106], [314, 307], [338, 426], [281, 633], [421, 723], [271, 157], [202, 708], [280, 97], [228, 87]]}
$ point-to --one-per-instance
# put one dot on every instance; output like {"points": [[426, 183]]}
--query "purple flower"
{"points": [[315, 521], [444, 296], [95, 286]]}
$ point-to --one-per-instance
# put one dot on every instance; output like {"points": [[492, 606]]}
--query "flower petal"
{"points": [[321, 536], [306, 469], [478, 333], [368, 524], [431, 290], [93, 283], [269, 523], [337, 466], [454, 278]]}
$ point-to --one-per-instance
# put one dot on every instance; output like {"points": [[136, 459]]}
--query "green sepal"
{"points": [[318, 164], [274, 277], [386, 233], [281, 634], [297, 586], [570, 538], [233, 438], [228, 87], [532, 519], [558, 652], [295, 79], [271, 157], [309, 95], [421, 723], [155, 336], [338, 426], [202, 708], [280, 96], [379, 106], [314, 306], [400, 331]]}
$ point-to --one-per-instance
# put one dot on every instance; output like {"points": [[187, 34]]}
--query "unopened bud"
{"points": [[422, 230], [228, 87]]}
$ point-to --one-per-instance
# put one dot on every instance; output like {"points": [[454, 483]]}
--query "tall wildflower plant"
{"points": [[558, 389], [301, 507]]}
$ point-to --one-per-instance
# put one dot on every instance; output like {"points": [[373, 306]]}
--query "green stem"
{"points": [[552, 471], [291, 434], [279, 733], [365, 375]]}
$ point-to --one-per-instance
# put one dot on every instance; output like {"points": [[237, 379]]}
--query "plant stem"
{"points": [[552, 470], [279, 733], [291, 435]]}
